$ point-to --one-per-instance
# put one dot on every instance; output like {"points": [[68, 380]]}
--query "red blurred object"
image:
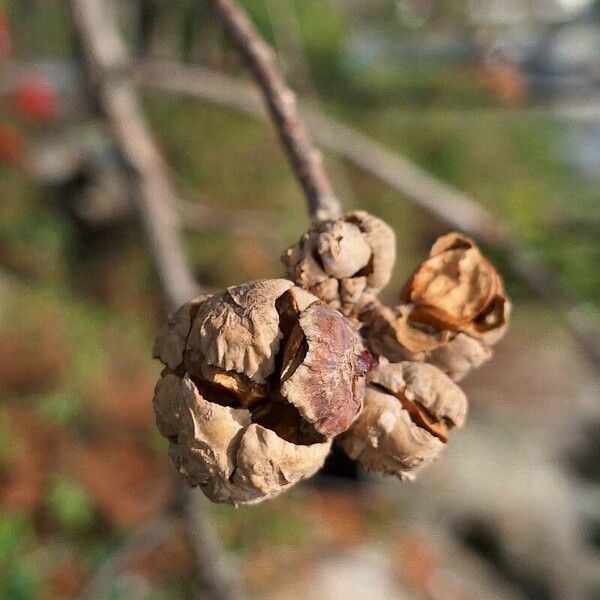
{"points": [[35, 100], [5, 41], [11, 145]]}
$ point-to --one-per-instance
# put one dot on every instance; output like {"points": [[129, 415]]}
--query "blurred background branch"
{"points": [[105, 56]]}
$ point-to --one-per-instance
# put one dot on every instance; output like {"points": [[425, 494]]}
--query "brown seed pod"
{"points": [[221, 449], [453, 309], [456, 289], [344, 262], [459, 356], [171, 341], [387, 333], [267, 376], [407, 412]]}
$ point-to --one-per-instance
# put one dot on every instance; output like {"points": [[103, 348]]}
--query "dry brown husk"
{"points": [[459, 356], [232, 459], [344, 262], [407, 412], [456, 289], [267, 376], [388, 332], [453, 309]]}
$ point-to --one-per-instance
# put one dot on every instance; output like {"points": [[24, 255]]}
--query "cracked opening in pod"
{"points": [[267, 406], [419, 414]]}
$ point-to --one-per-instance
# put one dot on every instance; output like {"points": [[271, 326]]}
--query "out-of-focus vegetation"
{"points": [[81, 464], [446, 115]]}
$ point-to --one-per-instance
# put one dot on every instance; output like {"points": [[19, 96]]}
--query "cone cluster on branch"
{"points": [[260, 379]]}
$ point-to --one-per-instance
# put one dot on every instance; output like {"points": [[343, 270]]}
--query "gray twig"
{"points": [[281, 101], [106, 61]]}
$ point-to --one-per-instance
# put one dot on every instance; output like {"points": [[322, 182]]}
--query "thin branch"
{"points": [[445, 203], [106, 61], [281, 101]]}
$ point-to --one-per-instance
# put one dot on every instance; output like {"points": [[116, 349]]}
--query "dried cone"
{"points": [[344, 262], [407, 412], [258, 380], [452, 310], [456, 289]]}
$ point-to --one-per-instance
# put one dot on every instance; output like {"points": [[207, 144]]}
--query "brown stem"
{"points": [[281, 101]]}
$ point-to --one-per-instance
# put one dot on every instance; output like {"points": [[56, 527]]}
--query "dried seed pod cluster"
{"points": [[344, 262], [258, 379], [452, 310], [408, 410], [261, 378]]}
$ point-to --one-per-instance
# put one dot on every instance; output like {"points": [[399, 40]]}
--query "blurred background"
{"points": [[498, 98]]}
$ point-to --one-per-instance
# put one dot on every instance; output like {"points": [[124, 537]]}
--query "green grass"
{"points": [[69, 505]]}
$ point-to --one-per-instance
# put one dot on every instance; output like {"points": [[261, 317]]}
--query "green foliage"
{"points": [[21, 583], [422, 85], [41, 32], [254, 171], [257, 11], [16, 533], [29, 227], [19, 579], [323, 30], [62, 407], [68, 505]]}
